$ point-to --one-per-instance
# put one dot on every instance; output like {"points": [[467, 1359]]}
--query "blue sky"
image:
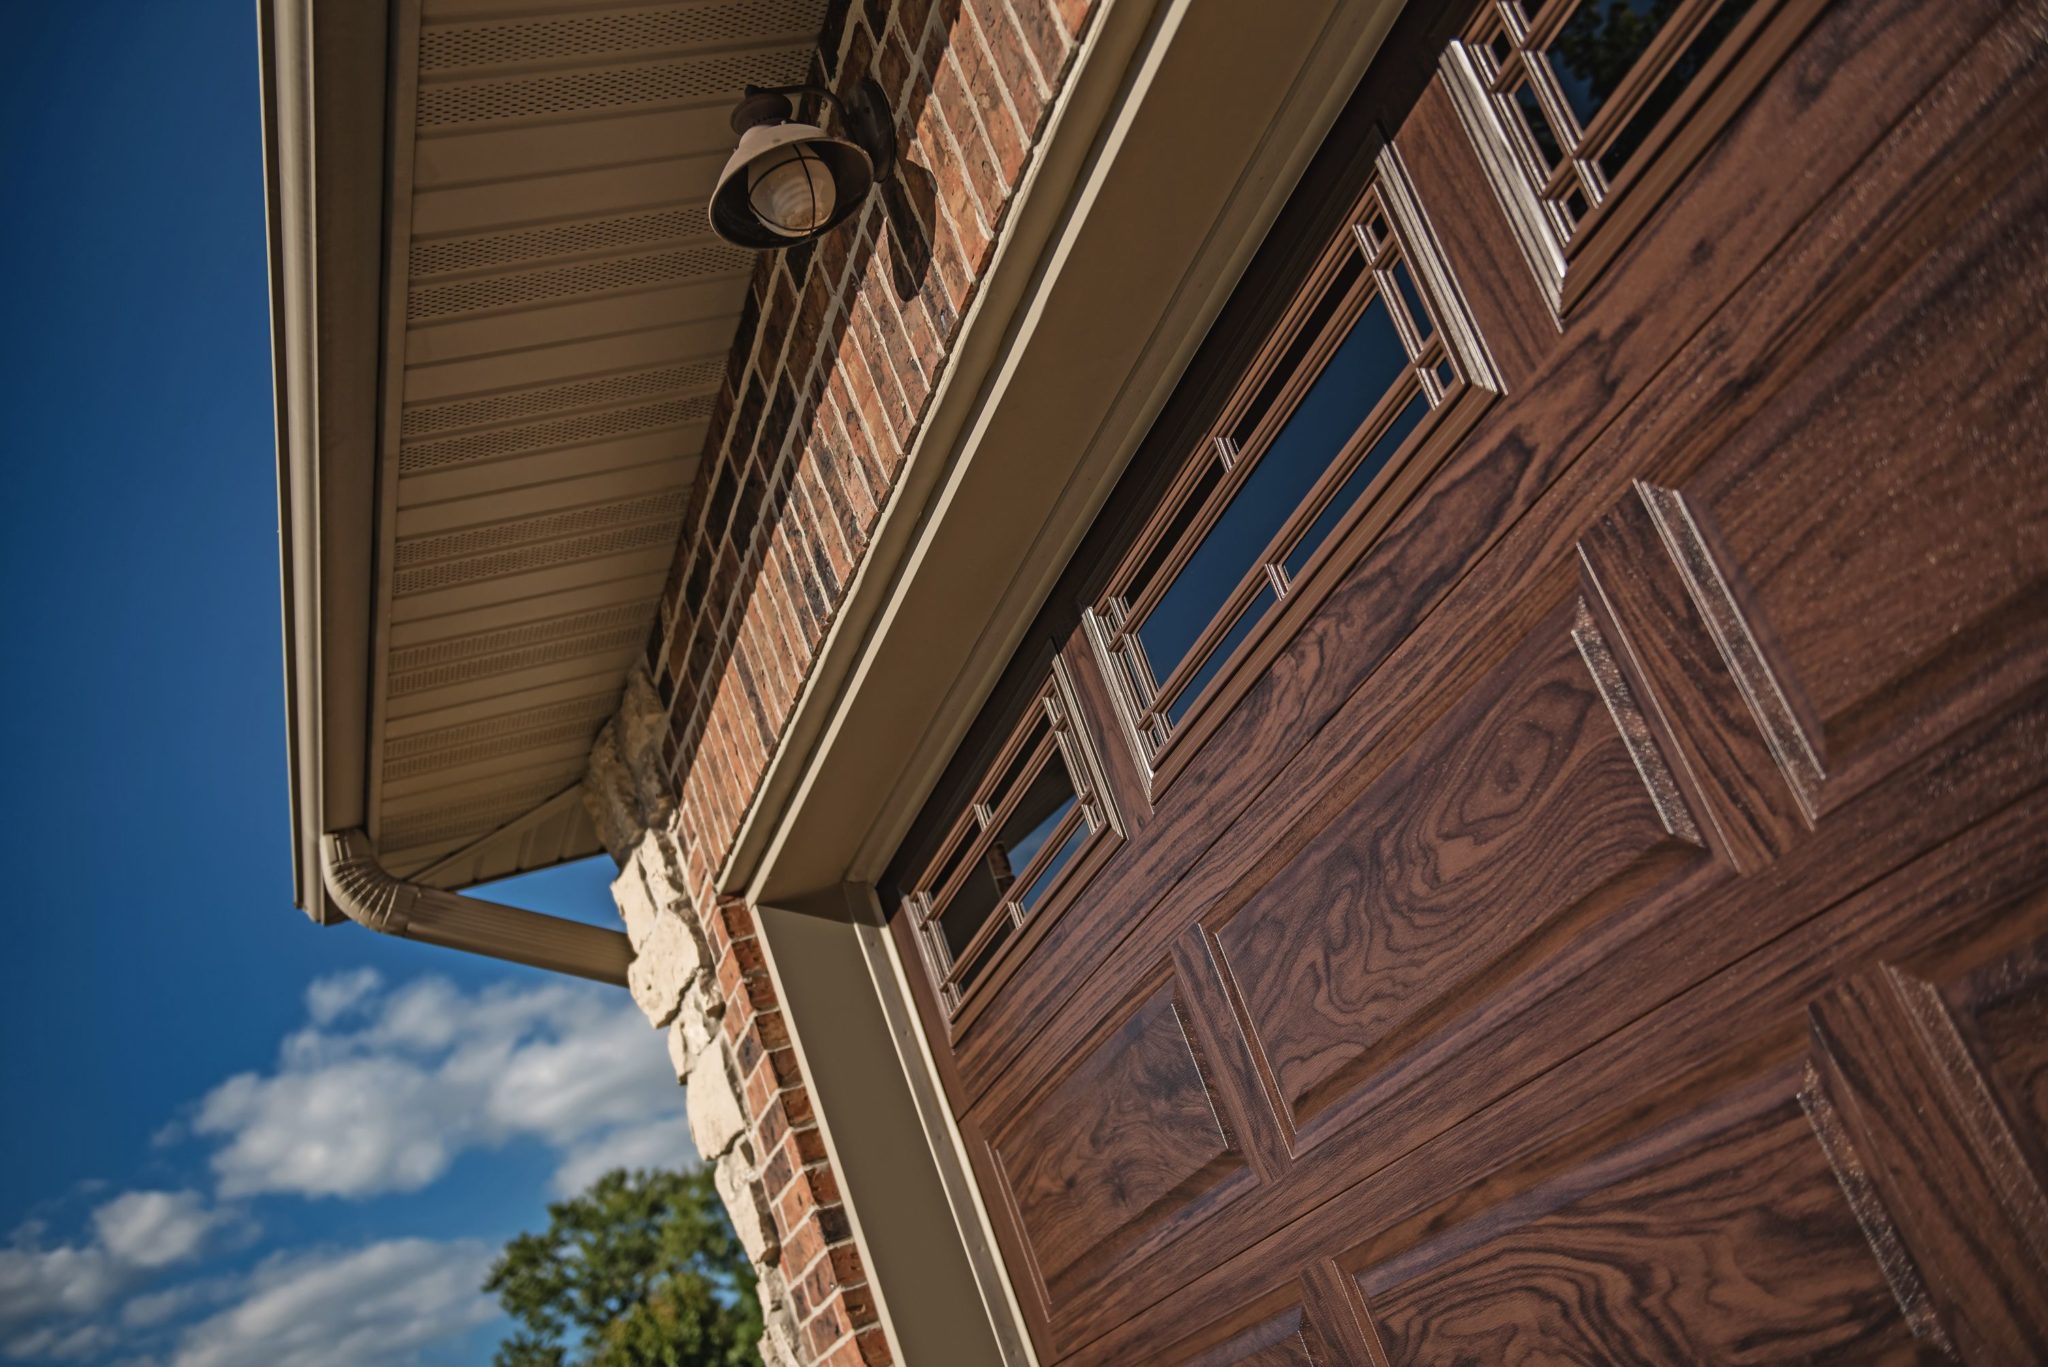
{"points": [[225, 1136]]}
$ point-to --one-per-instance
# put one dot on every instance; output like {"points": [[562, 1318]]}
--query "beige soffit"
{"points": [[557, 321], [511, 322]]}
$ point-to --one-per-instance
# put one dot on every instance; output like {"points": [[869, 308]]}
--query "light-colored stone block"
{"points": [[717, 1119], [660, 857], [778, 1321], [681, 1056], [624, 786], [698, 1024], [636, 906], [740, 1188], [665, 964]]}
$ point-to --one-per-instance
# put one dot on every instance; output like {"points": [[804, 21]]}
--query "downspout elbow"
{"points": [[370, 895]]}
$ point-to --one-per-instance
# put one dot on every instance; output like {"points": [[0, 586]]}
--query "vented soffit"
{"points": [[490, 215]]}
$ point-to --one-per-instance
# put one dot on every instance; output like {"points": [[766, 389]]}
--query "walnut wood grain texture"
{"points": [[1640, 591], [1719, 228], [1435, 891], [1704, 678], [2002, 1012], [1968, 902], [1942, 1160], [1126, 1137], [1287, 1339], [1720, 1236], [1731, 362]]}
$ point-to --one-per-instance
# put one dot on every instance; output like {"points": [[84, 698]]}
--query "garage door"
{"points": [[1519, 838]]}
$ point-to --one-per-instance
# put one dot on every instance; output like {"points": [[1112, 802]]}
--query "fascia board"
{"points": [[325, 66]]}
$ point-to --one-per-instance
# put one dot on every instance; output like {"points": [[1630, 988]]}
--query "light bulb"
{"points": [[793, 195]]}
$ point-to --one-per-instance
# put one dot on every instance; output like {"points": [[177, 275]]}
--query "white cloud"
{"points": [[350, 1128], [375, 1306], [384, 1094], [74, 1344], [329, 998], [144, 1312], [136, 1233], [155, 1228], [663, 1143], [381, 1090], [67, 1280]]}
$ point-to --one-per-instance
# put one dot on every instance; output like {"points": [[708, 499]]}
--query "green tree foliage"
{"points": [[641, 1270]]}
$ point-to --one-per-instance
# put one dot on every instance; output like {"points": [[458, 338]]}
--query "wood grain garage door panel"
{"points": [[1126, 1138], [1609, 930], [1894, 625], [2002, 1012], [1286, 1339], [1720, 1237], [1443, 885], [1946, 1177]]}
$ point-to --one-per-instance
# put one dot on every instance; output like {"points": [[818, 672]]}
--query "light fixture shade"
{"points": [[790, 190], [786, 183]]}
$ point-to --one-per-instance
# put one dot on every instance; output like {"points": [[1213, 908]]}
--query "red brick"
{"points": [[808, 1142], [770, 1126], [902, 351], [746, 953], [957, 109], [750, 992], [985, 84], [873, 1342], [822, 523], [948, 166], [826, 1326], [781, 1065], [1074, 14], [777, 610], [736, 917], [847, 1352], [800, 1247], [913, 19], [834, 360], [858, 436], [875, 353], [776, 320], [836, 1270], [796, 1107], [1044, 37], [759, 1087], [877, 311], [843, 475]]}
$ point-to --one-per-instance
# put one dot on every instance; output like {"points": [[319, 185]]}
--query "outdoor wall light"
{"points": [[789, 182]]}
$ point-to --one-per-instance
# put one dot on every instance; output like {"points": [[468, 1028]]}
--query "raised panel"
{"points": [[1124, 1139], [1656, 582], [1886, 514], [1286, 1339], [2003, 1012], [1534, 808], [1944, 1178], [1498, 904], [1721, 1236]]}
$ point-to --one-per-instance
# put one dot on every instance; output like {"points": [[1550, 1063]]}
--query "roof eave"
{"points": [[325, 189]]}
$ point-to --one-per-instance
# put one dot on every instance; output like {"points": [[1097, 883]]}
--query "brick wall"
{"points": [[838, 351]]}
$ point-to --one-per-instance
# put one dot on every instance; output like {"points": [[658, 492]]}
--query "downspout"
{"points": [[373, 897]]}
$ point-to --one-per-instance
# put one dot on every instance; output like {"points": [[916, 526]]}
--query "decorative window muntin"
{"points": [[1380, 289], [1572, 99], [1038, 821]]}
